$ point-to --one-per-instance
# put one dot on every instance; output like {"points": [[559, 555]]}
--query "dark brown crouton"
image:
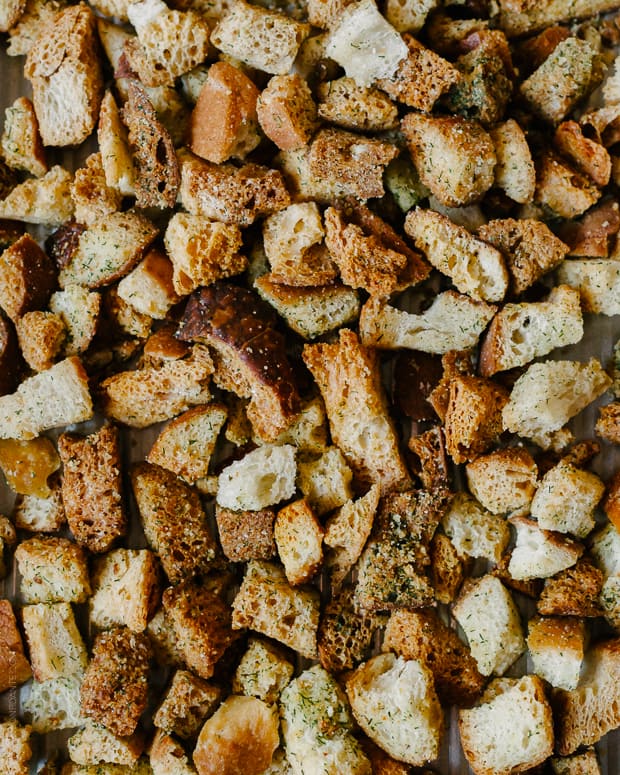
{"points": [[246, 535], [28, 278], [573, 592]]}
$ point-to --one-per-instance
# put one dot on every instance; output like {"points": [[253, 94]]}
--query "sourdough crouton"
{"points": [[247, 534], [116, 157], [588, 156], [348, 377], [188, 701], [79, 310], [409, 17], [556, 646], [474, 531], [540, 553], [514, 170], [549, 394], [163, 640], [560, 187], [317, 726], [114, 689], [394, 702], [585, 763], [15, 668], [149, 287], [503, 481], [363, 108], [261, 478], [52, 570], [67, 80], [45, 200], [286, 111], [447, 568], [575, 591], [268, 604], [511, 728], [9, 16], [54, 641], [422, 636], [41, 336], [325, 480], [299, 538], [490, 619], [598, 282], [454, 156], [92, 197], [15, 750], [28, 278], [21, 143], [55, 704], [474, 267], [40, 515], [522, 332], [125, 589], [259, 37], [608, 423], [94, 744], [263, 671], [174, 522]]}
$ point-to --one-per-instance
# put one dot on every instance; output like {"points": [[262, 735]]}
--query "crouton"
{"points": [[79, 309], [262, 478], [21, 143], [299, 539], [40, 515], [474, 531], [608, 423], [188, 701], [308, 432], [514, 170], [540, 553], [15, 750], [55, 704], [490, 619], [61, 63], [45, 200], [447, 568], [114, 689], [611, 504], [168, 757], [585, 763], [430, 449], [262, 672], [149, 287], [15, 667], [575, 591], [317, 726], [267, 604], [593, 236], [523, 17], [52, 570], [474, 267], [567, 192], [349, 380], [598, 282], [163, 640], [409, 17], [588, 156], [28, 278], [323, 13], [246, 534], [116, 157], [454, 363], [54, 641], [11, 363], [503, 481], [344, 103], [556, 646], [422, 636], [325, 480], [510, 729], [41, 336], [286, 111], [92, 197], [94, 744], [394, 701], [174, 522]]}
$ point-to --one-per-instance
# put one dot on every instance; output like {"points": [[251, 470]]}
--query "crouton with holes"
{"points": [[125, 589], [55, 704], [92, 489], [28, 278], [452, 322], [422, 635], [447, 568], [15, 750], [116, 157], [598, 282], [400, 695], [45, 200], [530, 249], [514, 170], [266, 603], [585, 763], [575, 591], [58, 396], [114, 689], [317, 726], [79, 310], [262, 478], [474, 531], [323, 13], [556, 645], [149, 286], [562, 189], [15, 667], [548, 394], [202, 251], [286, 111], [346, 532], [168, 757], [325, 480], [67, 80], [188, 701], [299, 538], [174, 522], [588, 156], [566, 500], [473, 420], [510, 729], [263, 39], [224, 192], [52, 570], [349, 380], [487, 613], [94, 744], [611, 503], [303, 183], [41, 336], [345, 635], [504, 481], [475, 268], [344, 103], [21, 143], [92, 197], [246, 534], [263, 671], [54, 642], [520, 333], [540, 553], [201, 621], [40, 515]]}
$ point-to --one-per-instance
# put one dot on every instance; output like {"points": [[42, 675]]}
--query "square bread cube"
{"points": [[556, 646], [52, 570], [188, 701], [55, 644], [263, 671], [299, 538]]}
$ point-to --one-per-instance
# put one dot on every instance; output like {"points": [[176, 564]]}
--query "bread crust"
{"points": [[14, 667]]}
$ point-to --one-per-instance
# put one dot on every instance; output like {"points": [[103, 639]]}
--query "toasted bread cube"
{"points": [[399, 694], [540, 553], [575, 591], [514, 171], [41, 336], [556, 646], [116, 156], [560, 187], [268, 604], [605, 548], [15, 668], [15, 750], [598, 282], [585, 763], [168, 757], [55, 704], [246, 535], [299, 538], [363, 108], [503, 481], [323, 13], [611, 504], [608, 423], [92, 197], [409, 17], [52, 570], [119, 658], [263, 671], [287, 112], [308, 432], [28, 278], [326, 480], [163, 639], [93, 744], [188, 701], [40, 515], [149, 287], [447, 568], [589, 157], [511, 728], [21, 143], [490, 620], [474, 531], [262, 478], [54, 641], [79, 309], [46, 200]]}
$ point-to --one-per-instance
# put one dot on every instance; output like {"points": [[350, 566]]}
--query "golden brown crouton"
{"points": [[611, 504], [41, 336], [325, 480], [95, 743], [560, 187], [246, 535], [46, 200], [52, 570], [503, 480], [345, 103], [21, 143], [514, 172], [188, 701], [447, 568], [573, 592], [116, 157], [287, 112], [608, 423], [114, 689], [430, 449], [299, 538], [15, 668], [15, 749], [585, 763], [556, 646], [79, 309], [92, 197], [148, 288], [589, 157], [28, 278]]}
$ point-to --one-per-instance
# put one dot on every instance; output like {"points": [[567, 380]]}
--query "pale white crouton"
{"points": [[452, 322], [52, 570], [54, 704], [94, 744], [149, 288], [326, 480], [556, 647], [55, 644], [549, 394], [514, 170], [510, 729], [409, 16], [605, 549], [40, 515], [394, 701], [263, 671], [566, 500], [598, 281], [311, 745], [308, 432], [21, 143], [490, 620], [79, 310], [299, 538], [609, 600], [15, 750], [365, 44], [46, 200], [262, 478], [474, 531], [142, 12], [504, 481], [539, 554]]}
